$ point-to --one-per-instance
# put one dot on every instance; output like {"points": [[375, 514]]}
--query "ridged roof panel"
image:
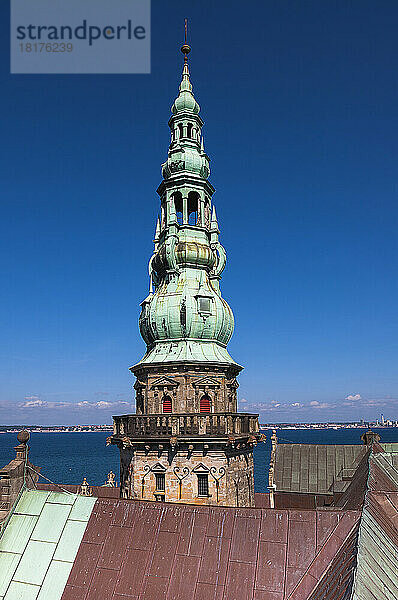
{"points": [[314, 468], [39, 544], [155, 551]]}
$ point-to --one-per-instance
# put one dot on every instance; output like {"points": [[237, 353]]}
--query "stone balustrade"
{"points": [[186, 425]]}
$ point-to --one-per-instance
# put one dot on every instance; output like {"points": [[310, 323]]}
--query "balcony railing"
{"points": [[185, 425]]}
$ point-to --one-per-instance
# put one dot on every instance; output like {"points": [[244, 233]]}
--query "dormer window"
{"points": [[204, 305]]}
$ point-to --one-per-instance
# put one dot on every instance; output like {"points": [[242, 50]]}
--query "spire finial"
{"points": [[185, 48]]}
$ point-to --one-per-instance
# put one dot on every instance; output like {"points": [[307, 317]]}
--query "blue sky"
{"points": [[301, 114]]}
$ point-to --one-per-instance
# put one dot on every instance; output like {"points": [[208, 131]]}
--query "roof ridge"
{"points": [[326, 541]]}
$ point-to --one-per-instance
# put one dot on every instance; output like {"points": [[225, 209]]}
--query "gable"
{"points": [[159, 468], [200, 468], [206, 382], [164, 382]]}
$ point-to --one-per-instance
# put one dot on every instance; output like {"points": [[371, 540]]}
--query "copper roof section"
{"points": [[315, 468], [149, 551], [377, 569]]}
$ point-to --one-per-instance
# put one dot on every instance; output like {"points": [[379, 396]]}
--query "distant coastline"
{"points": [[320, 426], [106, 428], [57, 429]]}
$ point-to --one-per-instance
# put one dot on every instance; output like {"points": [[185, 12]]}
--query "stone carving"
{"points": [[126, 442], [85, 489], [110, 482]]}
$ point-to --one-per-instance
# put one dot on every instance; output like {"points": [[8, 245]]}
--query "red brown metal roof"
{"points": [[135, 550]]}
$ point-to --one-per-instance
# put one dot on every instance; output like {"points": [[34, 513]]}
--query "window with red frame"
{"points": [[167, 404], [205, 406]]}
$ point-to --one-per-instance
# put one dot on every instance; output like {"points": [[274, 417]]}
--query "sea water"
{"points": [[69, 457]]}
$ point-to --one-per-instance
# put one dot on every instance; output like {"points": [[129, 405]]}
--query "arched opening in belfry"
{"points": [[179, 207], [189, 130], [207, 213], [205, 404], [193, 203], [167, 404], [180, 130], [163, 214]]}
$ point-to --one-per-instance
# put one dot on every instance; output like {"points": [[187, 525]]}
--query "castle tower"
{"points": [[186, 442]]}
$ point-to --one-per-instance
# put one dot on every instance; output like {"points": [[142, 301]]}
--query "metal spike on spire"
{"points": [[214, 222], [157, 232], [202, 144], [186, 48]]}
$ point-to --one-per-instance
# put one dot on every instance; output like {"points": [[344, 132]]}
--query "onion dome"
{"points": [[190, 253], [193, 312], [185, 101], [186, 159]]}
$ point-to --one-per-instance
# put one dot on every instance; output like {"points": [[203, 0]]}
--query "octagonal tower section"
{"points": [[187, 443]]}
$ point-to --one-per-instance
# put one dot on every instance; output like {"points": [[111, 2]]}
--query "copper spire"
{"points": [[186, 48]]}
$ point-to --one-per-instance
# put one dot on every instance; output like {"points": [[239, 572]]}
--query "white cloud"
{"points": [[37, 403], [314, 403], [101, 404], [353, 397], [296, 404], [243, 401]]}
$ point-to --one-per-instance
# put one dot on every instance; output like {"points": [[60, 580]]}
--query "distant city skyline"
{"points": [[300, 112]]}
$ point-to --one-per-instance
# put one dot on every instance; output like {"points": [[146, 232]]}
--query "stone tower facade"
{"points": [[187, 442]]}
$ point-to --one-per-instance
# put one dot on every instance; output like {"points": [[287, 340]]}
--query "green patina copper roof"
{"points": [[187, 351], [184, 318], [185, 100], [39, 544], [315, 468], [376, 575], [390, 447]]}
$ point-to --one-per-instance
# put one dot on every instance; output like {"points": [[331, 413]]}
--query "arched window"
{"points": [[193, 208], [178, 207], [205, 406], [167, 404], [207, 213], [189, 130], [180, 130]]}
